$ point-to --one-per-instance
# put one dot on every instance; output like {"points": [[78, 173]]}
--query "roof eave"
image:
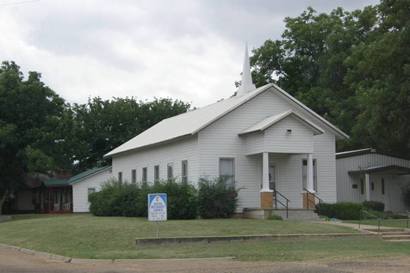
{"points": [[339, 133]]}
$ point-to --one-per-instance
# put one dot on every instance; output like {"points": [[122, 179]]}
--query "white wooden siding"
{"points": [[162, 155], [276, 139], [80, 190], [220, 139]]}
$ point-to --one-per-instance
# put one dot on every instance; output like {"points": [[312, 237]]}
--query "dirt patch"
{"points": [[12, 260]]}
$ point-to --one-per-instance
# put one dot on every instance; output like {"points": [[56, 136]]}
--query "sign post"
{"points": [[157, 208]]}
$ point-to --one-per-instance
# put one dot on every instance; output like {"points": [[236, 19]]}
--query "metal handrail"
{"points": [[314, 197], [379, 219], [276, 192]]}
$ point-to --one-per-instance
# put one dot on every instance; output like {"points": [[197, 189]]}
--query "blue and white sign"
{"points": [[157, 207]]}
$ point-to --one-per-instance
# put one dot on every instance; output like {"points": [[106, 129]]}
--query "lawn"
{"points": [[86, 236]]}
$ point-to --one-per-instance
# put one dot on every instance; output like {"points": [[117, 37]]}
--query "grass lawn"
{"points": [[399, 223], [85, 236]]}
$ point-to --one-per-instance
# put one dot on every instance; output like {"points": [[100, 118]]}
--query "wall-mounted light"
{"points": [[289, 131]]}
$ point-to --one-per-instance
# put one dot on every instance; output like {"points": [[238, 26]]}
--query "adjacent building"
{"points": [[366, 175]]}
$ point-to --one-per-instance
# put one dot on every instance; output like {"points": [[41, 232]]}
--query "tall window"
{"points": [[144, 174], [120, 177], [361, 186], [170, 171], [134, 176], [227, 170], [304, 173], [156, 173], [90, 191], [184, 171], [383, 186]]}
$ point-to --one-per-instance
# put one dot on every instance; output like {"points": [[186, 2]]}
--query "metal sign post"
{"points": [[157, 209]]}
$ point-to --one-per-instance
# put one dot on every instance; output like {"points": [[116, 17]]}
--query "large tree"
{"points": [[101, 125], [350, 67], [28, 110]]}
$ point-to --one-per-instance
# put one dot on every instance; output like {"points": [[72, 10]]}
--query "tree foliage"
{"points": [[350, 67], [40, 132]]}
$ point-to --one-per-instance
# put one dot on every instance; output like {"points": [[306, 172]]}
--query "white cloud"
{"points": [[190, 50]]}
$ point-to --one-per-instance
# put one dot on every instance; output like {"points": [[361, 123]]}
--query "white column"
{"points": [[367, 185], [309, 180], [265, 173]]}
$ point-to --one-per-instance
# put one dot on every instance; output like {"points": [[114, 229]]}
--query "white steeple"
{"points": [[246, 83]]}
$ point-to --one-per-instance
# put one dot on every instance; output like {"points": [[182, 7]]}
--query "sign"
{"points": [[157, 207]]}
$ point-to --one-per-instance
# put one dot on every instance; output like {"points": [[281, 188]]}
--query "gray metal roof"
{"points": [[192, 122]]}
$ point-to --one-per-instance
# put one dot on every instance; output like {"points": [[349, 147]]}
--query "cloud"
{"points": [[190, 50]]}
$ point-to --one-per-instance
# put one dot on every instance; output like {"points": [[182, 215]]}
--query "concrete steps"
{"points": [[297, 214], [392, 234]]}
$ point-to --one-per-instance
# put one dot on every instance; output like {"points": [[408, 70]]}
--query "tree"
{"points": [[28, 109], [101, 125], [379, 71], [350, 67]]}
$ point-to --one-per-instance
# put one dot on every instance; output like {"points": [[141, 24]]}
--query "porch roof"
{"points": [[56, 182], [272, 120], [386, 169]]}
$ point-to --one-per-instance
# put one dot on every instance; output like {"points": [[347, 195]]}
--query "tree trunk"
{"points": [[2, 200]]}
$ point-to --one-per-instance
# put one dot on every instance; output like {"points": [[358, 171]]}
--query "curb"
{"points": [[211, 239], [65, 259], [46, 255]]}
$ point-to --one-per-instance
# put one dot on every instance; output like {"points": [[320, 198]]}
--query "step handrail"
{"points": [[275, 194], [315, 197]]}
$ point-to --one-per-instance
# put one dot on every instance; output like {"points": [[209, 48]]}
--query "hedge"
{"points": [[374, 205], [216, 199], [342, 210], [213, 199]]}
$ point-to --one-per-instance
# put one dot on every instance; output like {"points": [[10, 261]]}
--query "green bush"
{"points": [[275, 217], [116, 199], [374, 205], [216, 199], [342, 211], [124, 199]]}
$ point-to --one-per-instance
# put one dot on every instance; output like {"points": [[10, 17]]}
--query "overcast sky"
{"points": [[190, 50]]}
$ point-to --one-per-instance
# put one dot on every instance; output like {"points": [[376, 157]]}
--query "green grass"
{"points": [[397, 223], [85, 236]]}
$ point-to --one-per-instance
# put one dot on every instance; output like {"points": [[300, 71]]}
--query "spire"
{"points": [[246, 83]]}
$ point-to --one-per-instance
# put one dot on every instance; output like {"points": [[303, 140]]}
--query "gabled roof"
{"points": [[355, 152], [86, 174], [366, 151], [272, 120], [56, 182], [386, 169], [191, 122]]}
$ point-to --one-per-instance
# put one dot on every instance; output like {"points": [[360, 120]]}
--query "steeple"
{"points": [[246, 83]]}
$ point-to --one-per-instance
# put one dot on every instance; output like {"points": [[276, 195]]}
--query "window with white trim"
{"points": [[227, 170], [90, 191], [144, 174], [156, 173], [170, 171], [134, 176], [184, 171]]}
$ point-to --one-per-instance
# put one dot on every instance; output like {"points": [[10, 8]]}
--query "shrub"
{"points": [[374, 205], [342, 211], [116, 199], [124, 199], [216, 199], [275, 217], [182, 199]]}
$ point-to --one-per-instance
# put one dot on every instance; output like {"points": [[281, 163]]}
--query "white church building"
{"points": [[270, 146]]}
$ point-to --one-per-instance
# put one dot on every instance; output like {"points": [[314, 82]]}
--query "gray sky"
{"points": [[190, 50]]}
